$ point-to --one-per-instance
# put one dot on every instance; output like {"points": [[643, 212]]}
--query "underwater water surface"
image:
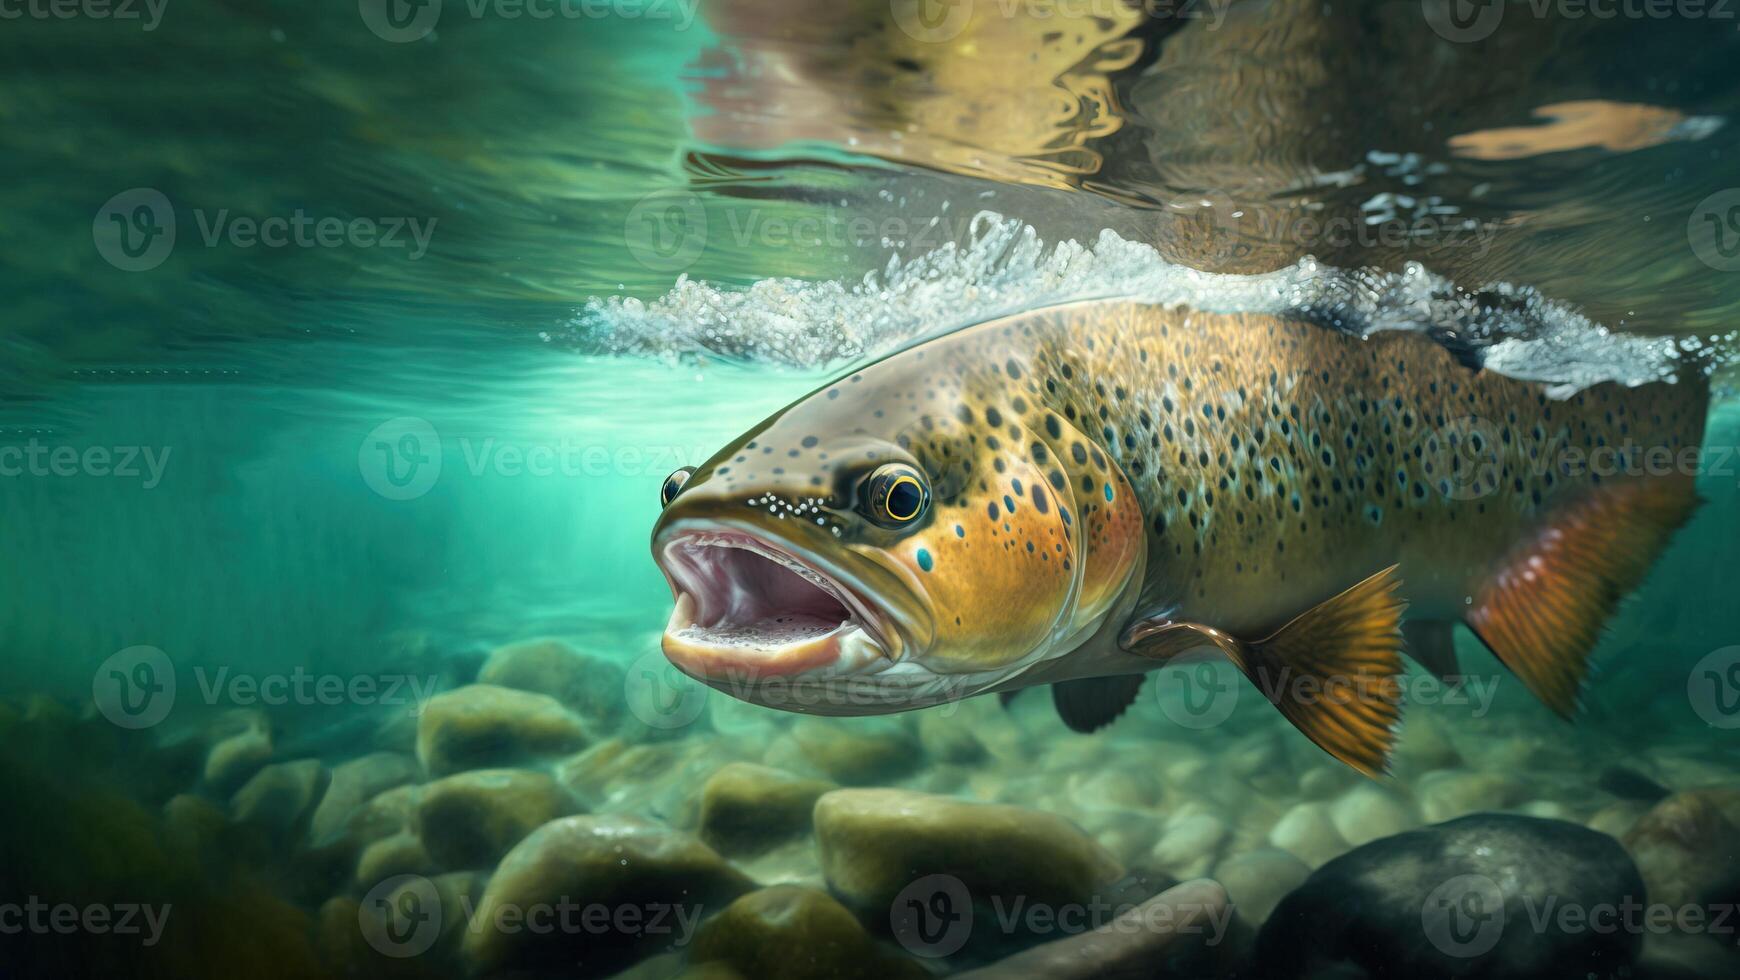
{"points": [[347, 351]]}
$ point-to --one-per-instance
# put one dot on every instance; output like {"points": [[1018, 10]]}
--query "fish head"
{"points": [[900, 538]]}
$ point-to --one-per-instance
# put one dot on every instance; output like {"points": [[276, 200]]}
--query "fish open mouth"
{"points": [[747, 608]]}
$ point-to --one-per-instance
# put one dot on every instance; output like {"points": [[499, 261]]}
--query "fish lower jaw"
{"points": [[777, 646]]}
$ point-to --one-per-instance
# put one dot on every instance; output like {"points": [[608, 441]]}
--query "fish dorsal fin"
{"points": [[1092, 703], [1543, 611], [1332, 671]]}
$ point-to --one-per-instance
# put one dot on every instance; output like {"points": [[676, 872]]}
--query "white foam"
{"points": [[1005, 267]]}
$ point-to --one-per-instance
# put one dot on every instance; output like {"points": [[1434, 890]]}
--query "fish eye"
{"points": [[673, 485], [897, 495]]}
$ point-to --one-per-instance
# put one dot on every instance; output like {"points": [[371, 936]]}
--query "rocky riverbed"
{"points": [[551, 812]]}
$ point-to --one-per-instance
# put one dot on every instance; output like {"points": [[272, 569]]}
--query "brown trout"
{"points": [[1078, 495]]}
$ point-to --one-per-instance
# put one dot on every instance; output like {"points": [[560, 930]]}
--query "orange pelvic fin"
{"points": [[1332, 671]]}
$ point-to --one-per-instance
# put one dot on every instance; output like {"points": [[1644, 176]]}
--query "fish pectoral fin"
{"points": [[1333, 671], [1543, 611], [1091, 703]]}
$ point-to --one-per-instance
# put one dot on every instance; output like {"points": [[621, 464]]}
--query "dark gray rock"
{"points": [[1492, 896]]}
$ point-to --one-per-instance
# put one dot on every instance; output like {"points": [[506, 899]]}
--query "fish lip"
{"points": [[710, 533]]}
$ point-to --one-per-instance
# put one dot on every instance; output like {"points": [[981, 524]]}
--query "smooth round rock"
{"points": [[402, 853], [1423, 746], [482, 727], [354, 783], [946, 736], [241, 744], [789, 931], [597, 868], [1451, 793], [1190, 844], [857, 754], [874, 843], [589, 685], [1257, 880], [471, 819], [1688, 847], [1368, 812], [748, 808], [281, 798], [1186, 931], [1308, 833]]}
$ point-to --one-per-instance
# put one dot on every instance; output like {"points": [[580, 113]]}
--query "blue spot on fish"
{"points": [[1108, 493], [924, 560]]}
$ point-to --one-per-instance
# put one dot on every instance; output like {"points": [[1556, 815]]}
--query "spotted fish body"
{"points": [[1099, 472]]}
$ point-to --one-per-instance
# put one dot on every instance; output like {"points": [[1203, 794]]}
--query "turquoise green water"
{"points": [[562, 257]]}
